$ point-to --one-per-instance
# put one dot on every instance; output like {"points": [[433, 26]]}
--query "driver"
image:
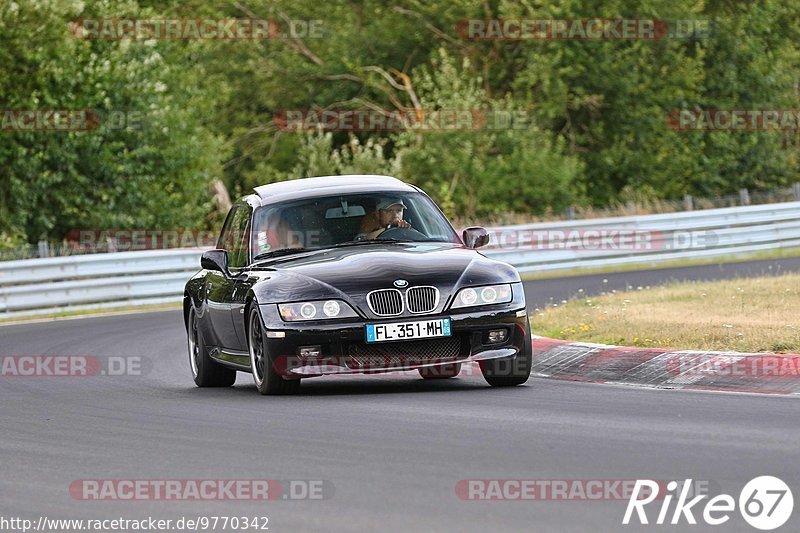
{"points": [[389, 213]]}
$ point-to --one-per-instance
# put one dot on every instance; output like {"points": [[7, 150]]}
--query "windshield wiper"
{"points": [[291, 251], [282, 251], [369, 241]]}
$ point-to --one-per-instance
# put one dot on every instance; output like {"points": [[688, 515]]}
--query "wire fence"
{"points": [[642, 206]]}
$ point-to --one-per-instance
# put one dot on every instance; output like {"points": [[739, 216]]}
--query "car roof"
{"points": [[323, 185]]}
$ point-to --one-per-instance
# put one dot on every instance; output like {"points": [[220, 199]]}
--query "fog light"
{"points": [[310, 351], [497, 335]]}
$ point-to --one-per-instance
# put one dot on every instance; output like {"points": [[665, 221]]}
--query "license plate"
{"points": [[422, 329]]}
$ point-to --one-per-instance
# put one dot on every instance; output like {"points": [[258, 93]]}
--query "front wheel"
{"points": [[267, 379], [508, 372], [206, 373]]}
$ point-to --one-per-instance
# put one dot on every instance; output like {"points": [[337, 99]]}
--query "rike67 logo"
{"points": [[765, 502]]}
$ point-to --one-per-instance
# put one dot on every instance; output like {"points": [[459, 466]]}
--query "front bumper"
{"points": [[344, 350]]}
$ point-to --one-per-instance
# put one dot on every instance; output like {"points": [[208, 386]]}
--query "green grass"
{"points": [[745, 315]]}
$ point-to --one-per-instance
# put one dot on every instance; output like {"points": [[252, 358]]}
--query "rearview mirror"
{"points": [[339, 212], [475, 237], [215, 260]]}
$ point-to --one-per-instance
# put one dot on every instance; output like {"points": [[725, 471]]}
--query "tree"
{"points": [[147, 164]]}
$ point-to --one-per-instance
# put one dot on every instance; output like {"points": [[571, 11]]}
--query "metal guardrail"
{"points": [[37, 286], [671, 236]]}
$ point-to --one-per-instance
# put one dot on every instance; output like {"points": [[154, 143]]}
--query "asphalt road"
{"points": [[391, 448], [541, 292]]}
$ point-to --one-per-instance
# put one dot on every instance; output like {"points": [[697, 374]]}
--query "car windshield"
{"points": [[339, 220]]}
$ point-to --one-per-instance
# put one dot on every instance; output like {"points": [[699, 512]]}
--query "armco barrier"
{"points": [[98, 280], [35, 286], [692, 234]]}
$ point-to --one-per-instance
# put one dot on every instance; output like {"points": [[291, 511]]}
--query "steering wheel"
{"points": [[402, 234]]}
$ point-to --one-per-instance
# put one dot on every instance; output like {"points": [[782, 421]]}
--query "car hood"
{"points": [[351, 272]]}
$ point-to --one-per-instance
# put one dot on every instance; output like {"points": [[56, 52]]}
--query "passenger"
{"points": [[278, 235], [288, 238]]}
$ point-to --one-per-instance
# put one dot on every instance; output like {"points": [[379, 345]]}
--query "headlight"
{"points": [[317, 310], [331, 308], [488, 295]]}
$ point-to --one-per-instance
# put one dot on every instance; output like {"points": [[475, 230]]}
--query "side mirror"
{"points": [[475, 237], [215, 260]]}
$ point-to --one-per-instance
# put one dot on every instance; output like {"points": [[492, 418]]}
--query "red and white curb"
{"points": [[764, 373]]}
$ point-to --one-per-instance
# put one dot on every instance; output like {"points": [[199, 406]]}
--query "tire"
{"points": [[509, 372], [205, 371], [267, 380], [440, 372]]}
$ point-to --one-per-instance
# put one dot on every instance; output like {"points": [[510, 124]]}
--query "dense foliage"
{"points": [[201, 110]]}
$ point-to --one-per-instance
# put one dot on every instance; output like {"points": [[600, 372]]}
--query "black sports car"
{"points": [[351, 274]]}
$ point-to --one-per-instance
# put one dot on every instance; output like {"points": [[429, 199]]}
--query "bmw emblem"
{"points": [[400, 283]]}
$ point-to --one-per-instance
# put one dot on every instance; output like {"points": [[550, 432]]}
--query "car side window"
{"points": [[223, 243], [239, 238]]}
